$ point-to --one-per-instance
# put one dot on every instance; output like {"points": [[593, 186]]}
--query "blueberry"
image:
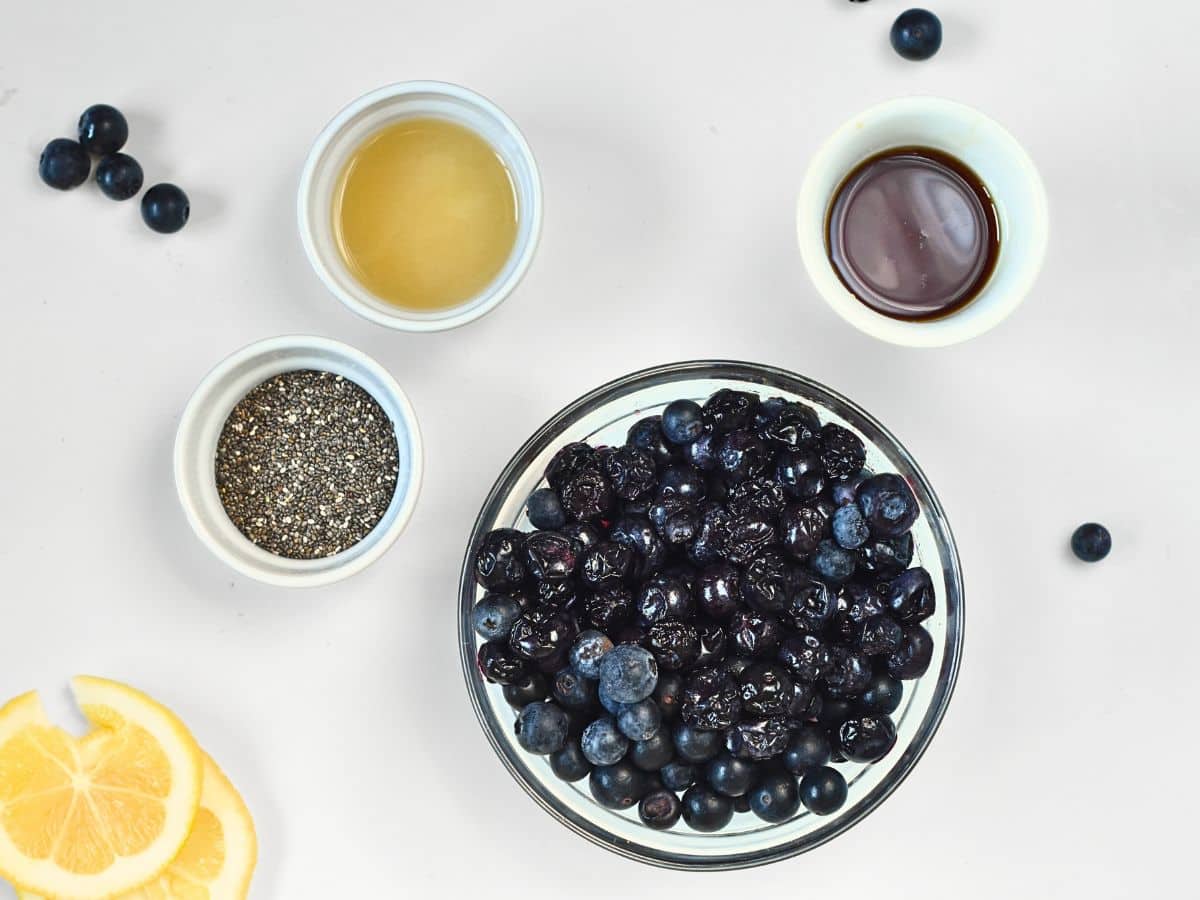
{"points": [[845, 492], [677, 776], [647, 434], [741, 804], [800, 474], [850, 675], [664, 597], [730, 776], [823, 791], [675, 644], [570, 461], [888, 505], [549, 556], [729, 410], [879, 635], [741, 455], [809, 748], [887, 557], [758, 738], [569, 763], [586, 496], [833, 563], [653, 753], [572, 690], [720, 591], [748, 537], [713, 536], [494, 615], [119, 176], [759, 498], [811, 606], [610, 705], [659, 810], [639, 721], [602, 742], [792, 426], [165, 208], [542, 728], [589, 648], [607, 563], [64, 164], [677, 521], [917, 34], [636, 533], [850, 528], [882, 695], [765, 585], [713, 645], [803, 528], [702, 452], [583, 534], [867, 739], [609, 607], [541, 633], [629, 470], [910, 596], [500, 665], [683, 482], [682, 421], [755, 635], [545, 509], [835, 711], [530, 688], [766, 690], [776, 799], [500, 560], [706, 810], [618, 786], [628, 674], [102, 129], [806, 657], [842, 452], [668, 694], [696, 745], [711, 699], [913, 658], [1091, 542]]}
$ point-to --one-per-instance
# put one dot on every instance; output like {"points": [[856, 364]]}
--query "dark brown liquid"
{"points": [[913, 233]]}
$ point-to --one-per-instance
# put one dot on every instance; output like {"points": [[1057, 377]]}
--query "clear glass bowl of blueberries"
{"points": [[711, 615]]}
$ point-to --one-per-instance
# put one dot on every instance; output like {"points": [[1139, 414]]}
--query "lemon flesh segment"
{"points": [[94, 817], [217, 860]]}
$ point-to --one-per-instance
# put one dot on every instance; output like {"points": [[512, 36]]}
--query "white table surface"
{"points": [[672, 137]]}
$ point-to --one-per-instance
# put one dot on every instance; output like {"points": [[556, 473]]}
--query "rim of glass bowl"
{"points": [[829, 401]]}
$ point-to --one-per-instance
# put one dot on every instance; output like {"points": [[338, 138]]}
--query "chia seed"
{"points": [[306, 464]]}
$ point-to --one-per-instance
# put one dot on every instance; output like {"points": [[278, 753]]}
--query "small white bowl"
{"points": [[346, 132], [196, 448], [989, 150]]}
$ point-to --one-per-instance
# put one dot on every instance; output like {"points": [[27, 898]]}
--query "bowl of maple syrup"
{"points": [[923, 222], [420, 206]]}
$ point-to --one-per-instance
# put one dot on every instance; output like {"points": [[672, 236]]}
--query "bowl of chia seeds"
{"points": [[298, 461]]}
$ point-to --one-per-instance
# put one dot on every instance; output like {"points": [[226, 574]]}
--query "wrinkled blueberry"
{"points": [[676, 521], [742, 455], [569, 462], [806, 658], [803, 529], [850, 674], [882, 695], [609, 607], [776, 798], [888, 505], [791, 426], [500, 560], [647, 434], [842, 452], [542, 728], [494, 615], [659, 810], [800, 475], [675, 644], [541, 632], [720, 591], [607, 563], [754, 634], [702, 452], [765, 585], [684, 483], [887, 557], [664, 597], [867, 739], [913, 658], [628, 673], [728, 410], [500, 665], [879, 636], [756, 498], [748, 537], [811, 606], [765, 691], [1091, 542], [636, 533], [550, 556], [629, 470], [758, 739], [713, 645], [711, 699], [823, 791], [587, 496], [713, 536], [618, 786]]}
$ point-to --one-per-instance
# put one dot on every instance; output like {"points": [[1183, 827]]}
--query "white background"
{"points": [[672, 138]]}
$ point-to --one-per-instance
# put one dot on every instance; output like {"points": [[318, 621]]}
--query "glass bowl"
{"points": [[603, 417]]}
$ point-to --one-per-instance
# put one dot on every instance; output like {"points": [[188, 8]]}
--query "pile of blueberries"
{"points": [[720, 608]]}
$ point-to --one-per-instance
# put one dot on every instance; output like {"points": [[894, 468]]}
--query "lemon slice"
{"points": [[217, 860], [93, 817]]}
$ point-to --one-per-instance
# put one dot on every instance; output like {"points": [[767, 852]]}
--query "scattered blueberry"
{"points": [[165, 208], [1091, 542], [706, 810], [823, 791], [659, 810], [119, 176], [64, 164], [102, 129], [776, 798], [542, 728], [545, 509], [917, 34], [682, 421]]}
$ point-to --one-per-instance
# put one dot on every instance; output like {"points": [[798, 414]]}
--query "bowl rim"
{"points": [[752, 373]]}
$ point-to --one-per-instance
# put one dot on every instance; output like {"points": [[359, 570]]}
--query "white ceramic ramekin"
{"points": [[348, 129], [988, 149], [200, 428]]}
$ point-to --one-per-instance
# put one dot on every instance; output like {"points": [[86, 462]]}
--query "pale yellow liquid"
{"points": [[424, 214]]}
